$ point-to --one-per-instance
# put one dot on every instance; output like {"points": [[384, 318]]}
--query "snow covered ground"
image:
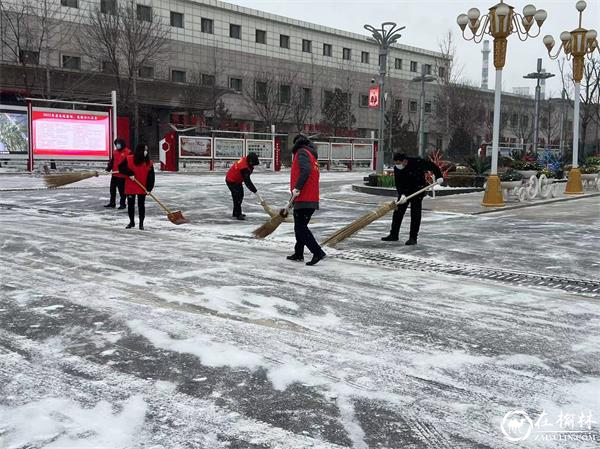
{"points": [[197, 336]]}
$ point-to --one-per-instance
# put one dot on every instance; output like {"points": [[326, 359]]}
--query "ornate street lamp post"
{"points": [[500, 22], [575, 45], [539, 75], [385, 37]]}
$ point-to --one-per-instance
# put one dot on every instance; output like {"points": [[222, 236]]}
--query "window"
{"points": [[327, 50], [70, 3], [178, 76], [413, 66], [235, 31], [144, 13], [514, 120], [364, 57], [428, 107], [71, 62], [412, 106], [284, 41], [364, 101], [347, 54], [206, 25], [427, 69], [306, 96], [108, 6], [261, 37], [146, 72], [525, 121], [235, 84], [260, 93], [208, 80], [29, 57], [176, 19], [306, 46], [398, 104], [442, 72], [107, 67], [285, 93], [398, 64]]}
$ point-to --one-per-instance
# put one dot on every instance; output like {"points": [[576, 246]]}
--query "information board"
{"points": [[341, 151], [323, 150], [229, 148], [262, 148], [363, 151], [195, 147], [14, 134]]}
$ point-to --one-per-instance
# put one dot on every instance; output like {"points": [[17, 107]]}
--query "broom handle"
{"points": [[418, 192], [153, 197]]}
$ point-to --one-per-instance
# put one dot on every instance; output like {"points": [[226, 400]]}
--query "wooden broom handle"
{"points": [[153, 197], [418, 192]]}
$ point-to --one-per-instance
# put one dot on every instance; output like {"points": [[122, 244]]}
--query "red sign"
{"points": [[374, 97], [277, 154], [67, 134]]}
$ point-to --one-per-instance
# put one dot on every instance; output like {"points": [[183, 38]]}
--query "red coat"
{"points": [[118, 157], [141, 174], [310, 190], [234, 174]]}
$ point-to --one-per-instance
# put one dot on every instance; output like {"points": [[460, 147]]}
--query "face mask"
{"points": [[145, 153], [399, 166], [118, 146]]}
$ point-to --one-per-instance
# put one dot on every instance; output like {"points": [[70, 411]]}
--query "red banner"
{"points": [[277, 154], [374, 97]]}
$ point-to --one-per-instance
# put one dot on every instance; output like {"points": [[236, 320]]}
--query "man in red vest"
{"points": [[304, 184], [239, 174], [117, 180]]}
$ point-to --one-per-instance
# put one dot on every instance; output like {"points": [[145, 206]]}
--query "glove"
{"points": [[440, 181], [132, 178], [295, 193], [402, 199]]}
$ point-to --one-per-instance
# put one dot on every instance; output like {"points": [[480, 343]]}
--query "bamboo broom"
{"points": [[362, 222], [269, 227], [61, 179]]}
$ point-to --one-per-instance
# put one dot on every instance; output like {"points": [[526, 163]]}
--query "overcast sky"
{"points": [[426, 22]]}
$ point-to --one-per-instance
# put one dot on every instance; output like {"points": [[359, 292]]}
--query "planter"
{"points": [[527, 173], [509, 185], [589, 176]]}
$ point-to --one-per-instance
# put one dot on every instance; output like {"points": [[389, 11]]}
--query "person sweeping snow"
{"points": [[137, 167], [304, 184], [239, 174], [409, 174], [117, 180]]}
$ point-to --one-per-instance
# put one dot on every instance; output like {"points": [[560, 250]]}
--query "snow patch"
{"points": [[291, 372]]}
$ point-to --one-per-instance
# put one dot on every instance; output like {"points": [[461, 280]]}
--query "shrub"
{"points": [[590, 169], [511, 175], [462, 180], [386, 181], [526, 165], [592, 160], [479, 165]]}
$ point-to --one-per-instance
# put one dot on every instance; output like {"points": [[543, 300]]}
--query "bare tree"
{"points": [[522, 119], [270, 96]]}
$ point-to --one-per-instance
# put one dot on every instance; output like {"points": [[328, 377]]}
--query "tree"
{"points": [[337, 111], [549, 121], [461, 144], [400, 133], [522, 121]]}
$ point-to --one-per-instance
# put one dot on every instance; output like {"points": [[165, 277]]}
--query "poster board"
{"points": [[341, 151], [362, 151], [262, 148], [14, 132], [323, 150], [228, 148], [192, 147]]}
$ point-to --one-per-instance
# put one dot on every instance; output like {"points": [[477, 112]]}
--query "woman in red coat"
{"points": [[137, 166]]}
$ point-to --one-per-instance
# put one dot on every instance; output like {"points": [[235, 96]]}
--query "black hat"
{"points": [[300, 137], [121, 142], [400, 156], [253, 159]]}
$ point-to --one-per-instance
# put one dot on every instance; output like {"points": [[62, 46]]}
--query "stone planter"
{"points": [[589, 176], [527, 173], [509, 185]]}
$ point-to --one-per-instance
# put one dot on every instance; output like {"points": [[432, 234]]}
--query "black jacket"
{"points": [[245, 172], [412, 177]]}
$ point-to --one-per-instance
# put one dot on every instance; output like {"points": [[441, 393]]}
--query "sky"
{"points": [[427, 22]]}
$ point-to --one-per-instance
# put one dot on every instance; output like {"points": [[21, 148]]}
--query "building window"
{"points": [[176, 19], [108, 6], [178, 76], [285, 94], [413, 66], [208, 80], [71, 62], [29, 57], [284, 41], [327, 50], [235, 84], [206, 25], [146, 72], [261, 37], [144, 13], [235, 31], [364, 57], [398, 64], [514, 120], [427, 69], [428, 107], [306, 96], [364, 101], [412, 106], [398, 104], [70, 3], [107, 67], [306, 46], [525, 121], [442, 72], [346, 54], [260, 93]]}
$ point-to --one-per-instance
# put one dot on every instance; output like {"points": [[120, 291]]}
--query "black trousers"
{"points": [[117, 183], [303, 235], [141, 206], [416, 208], [237, 195]]}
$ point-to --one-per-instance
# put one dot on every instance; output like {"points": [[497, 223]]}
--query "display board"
{"points": [[341, 151], [195, 147], [68, 134], [323, 150], [263, 148], [228, 148], [363, 151], [14, 133]]}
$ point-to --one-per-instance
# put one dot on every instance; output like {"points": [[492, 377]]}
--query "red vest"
{"points": [[141, 174], [118, 157], [234, 174], [310, 191]]}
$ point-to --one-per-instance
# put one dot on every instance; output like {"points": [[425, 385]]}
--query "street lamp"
{"points": [[539, 75], [424, 78], [575, 44], [500, 22], [385, 37]]}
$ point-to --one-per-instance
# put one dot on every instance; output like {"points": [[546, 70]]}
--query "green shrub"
{"points": [[590, 169], [592, 160], [386, 181], [525, 165], [511, 175], [461, 180]]}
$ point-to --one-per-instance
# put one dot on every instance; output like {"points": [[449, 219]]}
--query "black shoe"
{"points": [[295, 258], [241, 217], [121, 207], [110, 205], [141, 227], [130, 225], [411, 242], [315, 260], [389, 238]]}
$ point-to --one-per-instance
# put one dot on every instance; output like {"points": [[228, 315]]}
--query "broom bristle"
{"points": [[269, 227], [53, 181]]}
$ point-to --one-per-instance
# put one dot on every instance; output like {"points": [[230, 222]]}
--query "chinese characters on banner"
{"points": [[374, 97]]}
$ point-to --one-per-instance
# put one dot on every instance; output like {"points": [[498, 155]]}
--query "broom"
{"points": [[265, 206], [61, 179], [367, 219], [174, 217], [269, 227]]}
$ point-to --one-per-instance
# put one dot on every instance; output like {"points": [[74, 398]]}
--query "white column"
{"points": [[576, 126], [496, 130], [113, 100]]}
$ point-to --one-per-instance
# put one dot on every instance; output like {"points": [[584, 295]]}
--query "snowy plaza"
{"points": [[200, 336]]}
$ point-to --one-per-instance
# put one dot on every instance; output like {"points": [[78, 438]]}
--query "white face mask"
{"points": [[145, 152], [118, 146], [399, 166]]}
